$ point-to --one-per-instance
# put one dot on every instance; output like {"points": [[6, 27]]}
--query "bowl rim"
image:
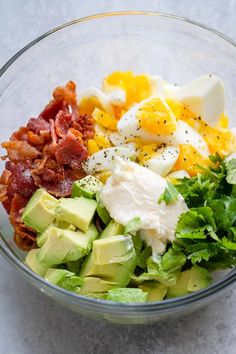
{"points": [[100, 305]]}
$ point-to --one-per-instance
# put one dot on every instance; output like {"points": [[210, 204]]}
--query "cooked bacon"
{"points": [[20, 181], [62, 123], [20, 150], [71, 151], [85, 125], [38, 124], [20, 135], [46, 153], [63, 187], [51, 110]]}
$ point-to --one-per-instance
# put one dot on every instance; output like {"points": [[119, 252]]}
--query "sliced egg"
{"points": [[204, 96], [117, 97], [163, 161], [151, 120], [185, 134], [233, 130], [91, 98], [103, 160]]}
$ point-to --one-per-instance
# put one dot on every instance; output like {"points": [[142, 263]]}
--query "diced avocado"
{"points": [[63, 246], [181, 287], [199, 278], [76, 211], [115, 272], [39, 213], [64, 279], [102, 211], [156, 291], [113, 259], [112, 229], [86, 187], [113, 249], [96, 285], [127, 295], [33, 263]]}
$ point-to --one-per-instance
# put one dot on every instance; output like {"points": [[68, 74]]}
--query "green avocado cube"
{"points": [[39, 213], [156, 291], [112, 258], [112, 229], [63, 246], [86, 187], [96, 285], [199, 278], [181, 286], [33, 262], [102, 211], [127, 295], [76, 211], [113, 249]]}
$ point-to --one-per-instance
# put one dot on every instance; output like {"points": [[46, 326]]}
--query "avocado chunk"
{"points": [[113, 259], [156, 291], [102, 211], [96, 285], [63, 246], [76, 211], [39, 213], [64, 279], [86, 187], [199, 278], [127, 295], [181, 286], [33, 263], [74, 266], [113, 249], [112, 229]]}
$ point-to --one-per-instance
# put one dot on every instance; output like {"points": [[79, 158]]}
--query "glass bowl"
{"points": [[86, 50]]}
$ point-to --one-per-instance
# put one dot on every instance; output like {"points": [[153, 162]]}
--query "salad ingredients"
{"points": [[126, 193], [132, 184]]}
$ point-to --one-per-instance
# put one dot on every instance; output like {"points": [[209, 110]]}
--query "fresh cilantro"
{"points": [[133, 225], [207, 232], [231, 171], [170, 194]]}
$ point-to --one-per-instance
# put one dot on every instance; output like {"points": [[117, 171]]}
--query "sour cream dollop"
{"points": [[134, 191]]}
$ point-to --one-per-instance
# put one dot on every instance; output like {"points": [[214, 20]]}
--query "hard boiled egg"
{"points": [[150, 120], [117, 97], [104, 159], [204, 96], [163, 160], [91, 98]]}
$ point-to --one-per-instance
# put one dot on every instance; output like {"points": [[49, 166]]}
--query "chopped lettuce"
{"points": [[231, 171], [127, 295], [133, 225]]}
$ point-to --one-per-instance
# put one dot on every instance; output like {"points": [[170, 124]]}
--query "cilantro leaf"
{"points": [[170, 194], [196, 223], [229, 245], [231, 171]]}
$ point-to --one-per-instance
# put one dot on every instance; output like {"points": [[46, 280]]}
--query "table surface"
{"points": [[30, 322]]}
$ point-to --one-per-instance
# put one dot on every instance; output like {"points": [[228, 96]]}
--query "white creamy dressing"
{"points": [[134, 191]]}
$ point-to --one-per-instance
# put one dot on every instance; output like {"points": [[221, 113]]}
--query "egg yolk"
{"points": [[104, 119], [146, 152], [189, 159], [155, 118], [182, 112], [137, 87], [88, 104], [219, 140]]}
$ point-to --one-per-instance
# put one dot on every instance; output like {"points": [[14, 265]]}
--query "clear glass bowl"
{"points": [[85, 51]]}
